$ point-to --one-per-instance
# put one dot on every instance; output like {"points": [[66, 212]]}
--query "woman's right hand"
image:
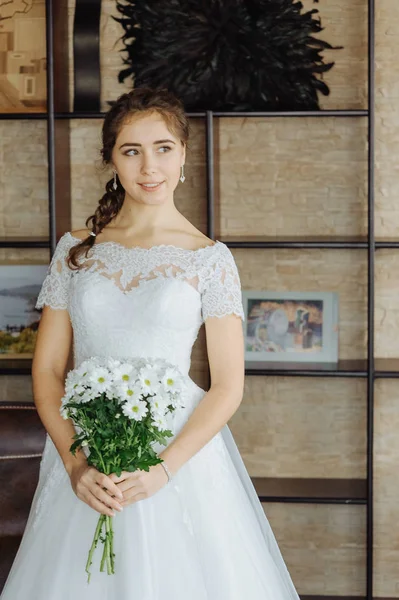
{"points": [[96, 489]]}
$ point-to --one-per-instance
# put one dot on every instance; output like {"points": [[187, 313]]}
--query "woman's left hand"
{"points": [[138, 485]]}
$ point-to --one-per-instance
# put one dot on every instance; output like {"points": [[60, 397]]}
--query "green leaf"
{"points": [[75, 445]]}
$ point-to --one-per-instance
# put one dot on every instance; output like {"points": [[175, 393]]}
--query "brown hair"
{"points": [[139, 100]]}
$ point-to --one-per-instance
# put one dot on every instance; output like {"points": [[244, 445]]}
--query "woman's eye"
{"points": [[134, 152]]}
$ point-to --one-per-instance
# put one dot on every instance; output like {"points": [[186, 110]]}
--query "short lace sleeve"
{"points": [[55, 287], [221, 286]]}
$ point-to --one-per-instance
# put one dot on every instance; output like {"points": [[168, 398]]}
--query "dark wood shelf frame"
{"points": [[311, 491], [344, 368], [328, 242], [58, 119], [24, 242], [318, 242], [307, 597], [336, 242], [66, 114], [386, 368], [386, 244], [266, 114], [21, 116], [15, 366]]}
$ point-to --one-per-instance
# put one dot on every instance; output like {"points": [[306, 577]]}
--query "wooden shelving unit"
{"points": [[312, 491]]}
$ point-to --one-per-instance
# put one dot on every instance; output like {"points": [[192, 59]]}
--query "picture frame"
{"points": [[19, 319], [287, 327], [23, 62]]}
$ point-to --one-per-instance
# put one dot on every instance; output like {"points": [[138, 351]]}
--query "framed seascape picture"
{"points": [[290, 327], [19, 319]]}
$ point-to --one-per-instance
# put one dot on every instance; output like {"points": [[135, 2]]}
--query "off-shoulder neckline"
{"points": [[140, 248]]}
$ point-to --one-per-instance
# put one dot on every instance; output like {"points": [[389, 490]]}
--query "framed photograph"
{"points": [[290, 327], [23, 56], [19, 319]]}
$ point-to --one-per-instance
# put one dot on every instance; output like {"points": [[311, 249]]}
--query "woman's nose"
{"points": [[148, 164]]}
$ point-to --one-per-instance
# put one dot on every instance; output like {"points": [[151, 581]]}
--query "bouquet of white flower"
{"points": [[120, 410]]}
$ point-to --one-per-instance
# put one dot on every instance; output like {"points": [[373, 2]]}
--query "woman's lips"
{"points": [[150, 188]]}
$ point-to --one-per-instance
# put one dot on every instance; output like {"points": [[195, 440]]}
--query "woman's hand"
{"points": [[96, 489], [139, 485]]}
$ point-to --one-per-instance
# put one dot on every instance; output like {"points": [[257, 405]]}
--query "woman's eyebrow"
{"points": [[157, 142]]}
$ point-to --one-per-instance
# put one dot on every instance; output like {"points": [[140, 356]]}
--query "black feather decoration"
{"points": [[226, 55]]}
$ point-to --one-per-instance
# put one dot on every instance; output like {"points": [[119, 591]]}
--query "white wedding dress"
{"points": [[204, 535]]}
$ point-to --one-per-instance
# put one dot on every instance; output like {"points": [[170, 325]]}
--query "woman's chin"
{"points": [[144, 198]]}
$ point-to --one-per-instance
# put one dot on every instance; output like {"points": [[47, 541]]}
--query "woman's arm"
{"points": [[226, 358], [225, 345], [49, 367]]}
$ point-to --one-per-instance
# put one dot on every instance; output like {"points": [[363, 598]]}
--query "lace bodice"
{"points": [[141, 302]]}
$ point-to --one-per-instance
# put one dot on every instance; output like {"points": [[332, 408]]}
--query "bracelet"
{"points": [[168, 473]]}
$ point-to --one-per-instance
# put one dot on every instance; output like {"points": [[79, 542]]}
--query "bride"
{"points": [[140, 281]]}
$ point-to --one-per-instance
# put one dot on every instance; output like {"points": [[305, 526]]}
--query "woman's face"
{"points": [[148, 158]]}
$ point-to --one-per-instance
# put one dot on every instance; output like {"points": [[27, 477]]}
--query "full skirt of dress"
{"points": [[203, 536]]}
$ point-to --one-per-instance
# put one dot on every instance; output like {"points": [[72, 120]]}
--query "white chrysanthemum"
{"points": [[77, 379], [149, 379], [64, 399], [159, 403], [136, 410], [160, 422], [72, 379], [124, 373], [72, 388], [177, 399], [100, 379], [89, 394], [171, 380], [112, 364], [84, 370], [138, 363], [131, 393], [64, 412]]}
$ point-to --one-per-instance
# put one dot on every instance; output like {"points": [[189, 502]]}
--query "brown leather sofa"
{"points": [[22, 438]]}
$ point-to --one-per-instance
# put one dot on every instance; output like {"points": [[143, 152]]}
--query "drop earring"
{"points": [[115, 184], [182, 177]]}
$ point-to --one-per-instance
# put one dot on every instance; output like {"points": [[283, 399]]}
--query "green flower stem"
{"points": [[109, 544], [83, 426], [103, 558], [94, 545], [99, 454]]}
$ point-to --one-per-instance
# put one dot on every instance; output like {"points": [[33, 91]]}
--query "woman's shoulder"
{"points": [[199, 241], [78, 234], [70, 239], [64, 245]]}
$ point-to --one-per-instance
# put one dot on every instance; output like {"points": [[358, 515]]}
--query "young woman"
{"points": [[140, 281]]}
